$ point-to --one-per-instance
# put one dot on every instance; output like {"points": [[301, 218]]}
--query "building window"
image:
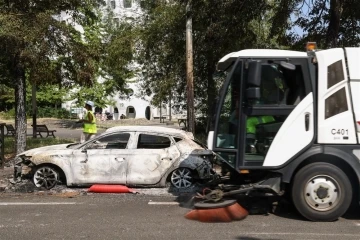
{"points": [[336, 103], [117, 21], [112, 4], [335, 73], [130, 92], [127, 3]]}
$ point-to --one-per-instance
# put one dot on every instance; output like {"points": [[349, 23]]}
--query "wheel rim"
{"points": [[322, 193], [45, 177], [181, 178]]}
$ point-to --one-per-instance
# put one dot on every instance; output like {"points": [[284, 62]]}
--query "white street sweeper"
{"points": [[289, 122]]}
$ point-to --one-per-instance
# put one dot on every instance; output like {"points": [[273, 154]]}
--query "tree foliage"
{"points": [[330, 23], [114, 40], [219, 27], [37, 47]]}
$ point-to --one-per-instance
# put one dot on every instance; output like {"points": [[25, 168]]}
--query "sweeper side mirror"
{"points": [[254, 74], [253, 80]]}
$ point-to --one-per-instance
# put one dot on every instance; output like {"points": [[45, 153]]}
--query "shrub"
{"points": [[8, 114], [43, 112], [49, 112]]}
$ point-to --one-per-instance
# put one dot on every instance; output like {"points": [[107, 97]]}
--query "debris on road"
{"points": [[99, 188]]}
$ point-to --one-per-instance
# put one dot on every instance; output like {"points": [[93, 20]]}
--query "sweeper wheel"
{"points": [[212, 205]]}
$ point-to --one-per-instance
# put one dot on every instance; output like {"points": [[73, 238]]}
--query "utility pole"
{"points": [[189, 70], [170, 106], [34, 108]]}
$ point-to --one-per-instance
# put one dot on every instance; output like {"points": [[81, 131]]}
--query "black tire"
{"points": [[321, 192]]}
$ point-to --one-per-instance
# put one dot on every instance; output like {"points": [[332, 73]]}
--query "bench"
{"points": [[163, 118], [10, 130], [43, 129]]}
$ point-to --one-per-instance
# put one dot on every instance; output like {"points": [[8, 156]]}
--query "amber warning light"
{"points": [[311, 46]]}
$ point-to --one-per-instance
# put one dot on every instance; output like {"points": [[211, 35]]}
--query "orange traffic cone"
{"points": [[225, 211]]}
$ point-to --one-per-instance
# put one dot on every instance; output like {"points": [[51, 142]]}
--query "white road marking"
{"points": [[33, 203], [163, 203], [302, 233]]}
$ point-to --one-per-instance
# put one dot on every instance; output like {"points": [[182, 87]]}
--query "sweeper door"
{"points": [[266, 114]]}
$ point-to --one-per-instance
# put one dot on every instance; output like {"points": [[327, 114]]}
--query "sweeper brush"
{"points": [[222, 211]]}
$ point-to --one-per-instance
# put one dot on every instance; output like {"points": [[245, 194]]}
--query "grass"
{"points": [[9, 144]]}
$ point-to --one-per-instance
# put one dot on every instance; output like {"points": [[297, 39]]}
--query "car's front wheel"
{"points": [[182, 178], [46, 177]]}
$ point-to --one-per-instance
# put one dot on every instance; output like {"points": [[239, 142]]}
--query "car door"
{"points": [[102, 160], [154, 155]]}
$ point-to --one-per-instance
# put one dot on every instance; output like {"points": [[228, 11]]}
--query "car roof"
{"points": [[152, 129]]}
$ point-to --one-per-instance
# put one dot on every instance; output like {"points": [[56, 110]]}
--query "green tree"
{"points": [[330, 23], [96, 93], [115, 38], [38, 47], [47, 95], [219, 27]]}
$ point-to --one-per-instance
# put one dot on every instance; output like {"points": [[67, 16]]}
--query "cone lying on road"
{"points": [[99, 188], [225, 211]]}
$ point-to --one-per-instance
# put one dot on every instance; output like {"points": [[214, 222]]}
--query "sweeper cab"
{"points": [[288, 122]]}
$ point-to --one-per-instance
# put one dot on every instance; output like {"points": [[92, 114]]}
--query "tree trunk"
{"points": [[20, 110], [34, 109], [336, 9], [189, 70]]}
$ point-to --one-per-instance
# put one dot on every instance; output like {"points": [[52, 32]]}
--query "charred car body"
{"points": [[129, 155]]}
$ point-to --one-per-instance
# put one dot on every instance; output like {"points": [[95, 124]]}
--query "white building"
{"points": [[132, 106]]}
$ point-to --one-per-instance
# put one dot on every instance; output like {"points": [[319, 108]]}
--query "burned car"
{"points": [[128, 155]]}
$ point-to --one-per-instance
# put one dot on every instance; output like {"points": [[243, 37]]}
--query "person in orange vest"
{"points": [[89, 123]]}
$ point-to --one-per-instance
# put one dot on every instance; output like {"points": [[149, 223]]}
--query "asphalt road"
{"points": [[128, 216]]}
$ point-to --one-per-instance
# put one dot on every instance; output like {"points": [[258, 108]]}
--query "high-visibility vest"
{"points": [[90, 127], [252, 122]]}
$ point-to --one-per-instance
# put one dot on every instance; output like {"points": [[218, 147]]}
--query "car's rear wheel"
{"points": [[46, 177], [182, 178]]}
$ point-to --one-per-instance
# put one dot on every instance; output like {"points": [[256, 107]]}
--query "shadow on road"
{"points": [[353, 212], [255, 205], [252, 238]]}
